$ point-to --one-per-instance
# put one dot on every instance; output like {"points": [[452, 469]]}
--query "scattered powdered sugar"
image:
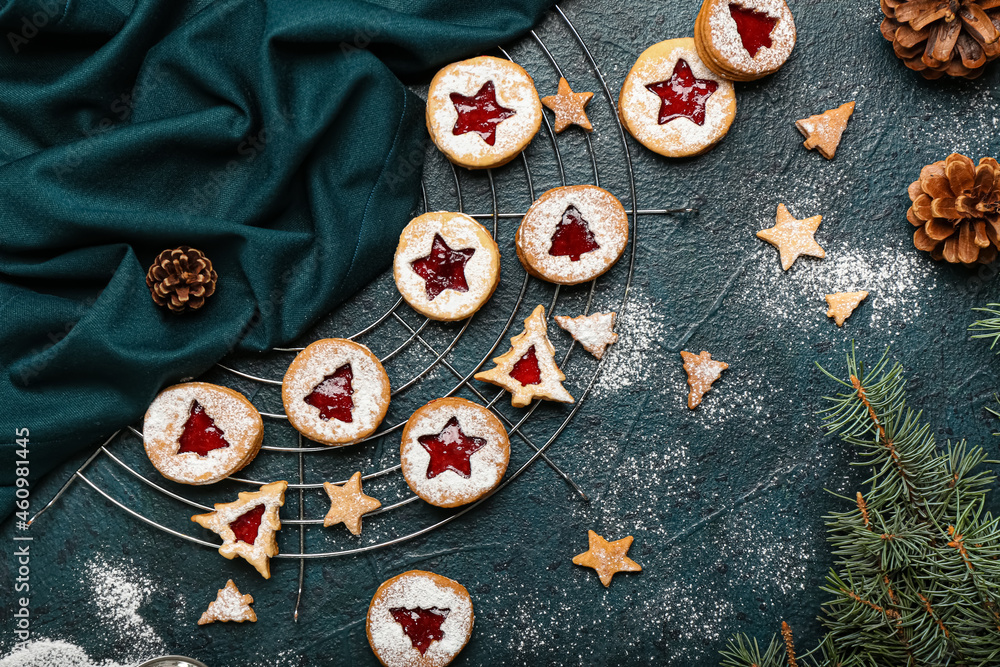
{"points": [[640, 107], [482, 270], [118, 592], [604, 216], [488, 463], [727, 41], [311, 366], [514, 89], [52, 653], [414, 590], [238, 420], [637, 354]]}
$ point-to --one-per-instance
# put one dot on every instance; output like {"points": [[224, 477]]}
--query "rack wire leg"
{"points": [[73, 477], [302, 532]]}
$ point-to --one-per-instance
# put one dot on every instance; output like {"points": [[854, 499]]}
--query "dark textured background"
{"points": [[725, 503]]}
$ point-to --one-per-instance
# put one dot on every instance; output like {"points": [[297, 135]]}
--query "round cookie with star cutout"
{"points": [[453, 452], [446, 266], [200, 433], [572, 234], [335, 392], [482, 112], [419, 619], [673, 104]]}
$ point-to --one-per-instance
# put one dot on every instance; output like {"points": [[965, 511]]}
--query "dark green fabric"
{"points": [[276, 137]]}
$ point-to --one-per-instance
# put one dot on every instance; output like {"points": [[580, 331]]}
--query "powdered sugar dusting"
{"points": [[640, 108], [604, 216], [488, 463], [119, 590], [414, 590], [52, 653], [514, 90], [238, 420]]}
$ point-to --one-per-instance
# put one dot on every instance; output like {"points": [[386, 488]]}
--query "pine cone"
{"points": [[938, 37], [181, 279], [956, 210]]}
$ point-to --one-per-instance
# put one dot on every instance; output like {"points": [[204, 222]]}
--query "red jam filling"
{"points": [[422, 626], [200, 434], [755, 28], [480, 113], [572, 237], [526, 369], [333, 395], [245, 527], [683, 96], [444, 268], [451, 449]]}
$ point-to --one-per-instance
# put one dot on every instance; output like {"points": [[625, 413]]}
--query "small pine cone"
{"points": [[956, 210], [938, 37], [181, 279]]}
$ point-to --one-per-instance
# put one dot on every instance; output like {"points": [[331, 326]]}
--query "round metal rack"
{"points": [[440, 354]]}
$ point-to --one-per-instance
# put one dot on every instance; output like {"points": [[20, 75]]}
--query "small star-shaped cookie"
{"points": [[247, 526], [823, 131], [529, 371], [842, 305], [595, 332], [702, 372], [570, 107], [348, 504], [229, 605], [607, 558], [793, 238]]}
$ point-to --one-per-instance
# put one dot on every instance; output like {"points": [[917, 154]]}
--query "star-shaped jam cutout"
{"points": [[200, 434], [422, 626], [570, 107], [451, 450], [793, 238], [333, 395], [480, 113], [607, 558], [702, 372], [348, 504], [683, 95], [444, 268], [754, 28], [573, 237]]}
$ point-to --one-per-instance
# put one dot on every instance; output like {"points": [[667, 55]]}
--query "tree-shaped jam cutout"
{"points": [[200, 434], [444, 268], [451, 450], [422, 626], [480, 113], [683, 95], [526, 369], [333, 395], [247, 525], [754, 27], [572, 237]]}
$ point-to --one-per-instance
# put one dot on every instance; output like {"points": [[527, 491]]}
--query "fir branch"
{"points": [[989, 327]]}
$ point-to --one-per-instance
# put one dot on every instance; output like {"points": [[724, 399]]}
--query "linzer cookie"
{"points": [[446, 266], [572, 234], [247, 526], [335, 392], [744, 40], [482, 112], [419, 619], [528, 370], [453, 452], [673, 104], [200, 433]]}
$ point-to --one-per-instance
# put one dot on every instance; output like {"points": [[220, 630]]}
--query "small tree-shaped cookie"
{"points": [[229, 605]]}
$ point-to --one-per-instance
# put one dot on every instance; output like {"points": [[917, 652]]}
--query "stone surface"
{"points": [[725, 503]]}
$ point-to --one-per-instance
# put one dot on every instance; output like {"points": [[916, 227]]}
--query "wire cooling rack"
{"points": [[123, 450]]}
